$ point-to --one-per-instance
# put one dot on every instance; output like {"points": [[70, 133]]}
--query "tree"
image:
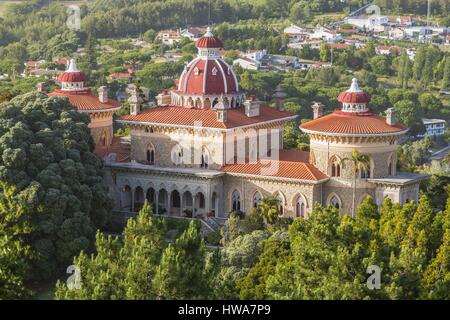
{"points": [[360, 163], [120, 269], [409, 114], [403, 72], [276, 251], [446, 76], [324, 53], [182, 273], [380, 65], [269, 209], [45, 142], [419, 63], [15, 254]]}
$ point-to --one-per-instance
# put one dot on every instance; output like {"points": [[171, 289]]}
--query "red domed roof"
{"points": [[354, 97], [203, 76], [209, 41], [354, 94], [72, 77], [72, 74]]}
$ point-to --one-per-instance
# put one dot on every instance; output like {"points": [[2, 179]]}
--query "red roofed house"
{"points": [[99, 107], [206, 149]]}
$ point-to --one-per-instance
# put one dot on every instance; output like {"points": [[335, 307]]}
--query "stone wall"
{"points": [[379, 153], [288, 191]]}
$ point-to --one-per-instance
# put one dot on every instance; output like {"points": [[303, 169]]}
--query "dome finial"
{"points": [[208, 32], [355, 86], [73, 66]]}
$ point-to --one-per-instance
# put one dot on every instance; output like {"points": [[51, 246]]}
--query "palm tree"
{"points": [[268, 208], [360, 164]]}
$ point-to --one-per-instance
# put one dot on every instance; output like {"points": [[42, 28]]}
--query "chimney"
{"points": [[279, 97], [135, 102], [251, 107], [317, 110], [390, 116], [41, 87], [103, 94], [221, 110], [163, 99]]}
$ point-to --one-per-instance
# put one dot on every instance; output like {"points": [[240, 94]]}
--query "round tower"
{"points": [[353, 127]]}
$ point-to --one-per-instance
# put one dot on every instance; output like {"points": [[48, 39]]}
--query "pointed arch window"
{"points": [[236, 201], [205, 158], [196, 71], [335, 202], [214, 71], [365, 174], [256, 199], [335, 167], [300, 207]]}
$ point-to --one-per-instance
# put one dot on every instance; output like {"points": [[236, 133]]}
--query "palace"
{"points": [[206, 149]]}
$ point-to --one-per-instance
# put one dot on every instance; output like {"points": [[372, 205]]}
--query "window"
{"points": [[201, 200], [150, 154], [300, 207], [196, 71], [280, 205], [256, 199], [205, 158], [335, 202], [365, 174], [335, 166], [214, 71], [236, 201]]}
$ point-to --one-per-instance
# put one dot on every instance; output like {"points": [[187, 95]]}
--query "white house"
{"points": [[434, 127], [396, 34], [325, 34], [192, 33], [247, 63], [374, 22], [251, 59], [296, 33], [169, 37]]}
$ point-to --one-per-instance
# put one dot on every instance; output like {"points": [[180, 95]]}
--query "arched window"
{"points": [[391, 168], [150, 155], [236, 201], [280, 199], [335, 167], [300, 207], [365, 174], [205, 158], [256, 199], [335, 202], [214, 71], [177, 155]]}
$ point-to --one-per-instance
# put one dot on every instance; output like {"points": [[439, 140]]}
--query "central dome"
{"points": [[208, 74]]}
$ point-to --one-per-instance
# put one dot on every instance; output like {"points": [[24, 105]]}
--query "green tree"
{"points": [[182, 273], [121, 268], [269, 209], [45, 142], [360, 163], [15, 254]]}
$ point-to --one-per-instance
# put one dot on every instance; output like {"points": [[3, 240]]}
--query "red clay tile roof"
{"points": [[187, 117], [291, 165], [352, 123], [85, 100]]}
